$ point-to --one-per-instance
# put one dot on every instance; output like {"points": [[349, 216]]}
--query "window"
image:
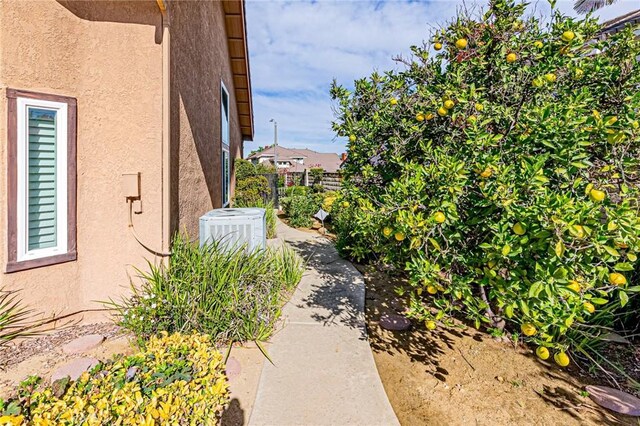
{"points": [[42, 179], [224, 126]]}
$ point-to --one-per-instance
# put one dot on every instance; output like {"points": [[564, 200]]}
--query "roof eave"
{"points": [[236, 28]]}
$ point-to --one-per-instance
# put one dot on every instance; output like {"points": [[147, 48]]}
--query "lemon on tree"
{"points": [[448, 104], [574, 286], [439, 217], [568, 36], [616, 278], [512, 57], [399, 236], [542, 352], [352, 138], [393, 101], [519, 229], [431, 289], [535, 144], [461, 43], [437, 45], [386, 231], [420, 116], [430, 324], [588, 306], [528, 329], [561, 358]]}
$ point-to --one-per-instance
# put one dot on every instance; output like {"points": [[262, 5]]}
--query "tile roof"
{"points": [[330, 162]]}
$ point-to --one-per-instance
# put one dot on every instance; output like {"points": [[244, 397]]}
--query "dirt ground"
{"points": [[465, 377]]}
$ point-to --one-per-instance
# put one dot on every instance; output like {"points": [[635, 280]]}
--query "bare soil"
{"points": [[465, 377]]}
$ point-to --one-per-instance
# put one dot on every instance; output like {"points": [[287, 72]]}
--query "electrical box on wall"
{"points": [[131, 185]]}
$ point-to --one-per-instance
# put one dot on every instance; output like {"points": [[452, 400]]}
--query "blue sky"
{"points": [[297, 47]]}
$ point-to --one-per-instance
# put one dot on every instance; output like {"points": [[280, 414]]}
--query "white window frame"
{"points": [[23, 106], [224, 143]]}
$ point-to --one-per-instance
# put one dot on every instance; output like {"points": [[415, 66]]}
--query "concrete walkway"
{"points": [[324, 372]]}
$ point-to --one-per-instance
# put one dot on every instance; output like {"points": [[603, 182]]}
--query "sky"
{"points": [[297, 48]]}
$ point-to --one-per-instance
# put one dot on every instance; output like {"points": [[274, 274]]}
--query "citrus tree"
{"points": [[501, 173]]}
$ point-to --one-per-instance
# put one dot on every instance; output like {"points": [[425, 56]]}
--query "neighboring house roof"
{"points": [[239, 54], [330, 162], [617, 24]]}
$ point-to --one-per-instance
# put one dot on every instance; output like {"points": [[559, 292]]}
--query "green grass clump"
{"points": [[228, 293]]}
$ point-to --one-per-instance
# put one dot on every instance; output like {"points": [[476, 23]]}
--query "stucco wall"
{"points": [[195, 110], [107, 55]]}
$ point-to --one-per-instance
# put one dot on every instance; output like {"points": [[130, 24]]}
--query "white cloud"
{"points": [[297, 47]]}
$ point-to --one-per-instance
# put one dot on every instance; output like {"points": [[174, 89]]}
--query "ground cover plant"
{"points": [[228, 293], [499, 170], [177, 379]]}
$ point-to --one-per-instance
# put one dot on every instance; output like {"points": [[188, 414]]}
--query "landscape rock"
{"points": [[74, 368], [615, 400], [83, 344], [394, 322]]}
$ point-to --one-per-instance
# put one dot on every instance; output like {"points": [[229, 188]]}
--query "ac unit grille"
{"points": [[233, 228]]}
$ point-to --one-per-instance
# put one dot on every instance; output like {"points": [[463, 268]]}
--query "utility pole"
{"points": [[275, 159], [275, 143]]}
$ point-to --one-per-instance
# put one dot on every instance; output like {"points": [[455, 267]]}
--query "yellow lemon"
{"points": [[399, 236], [528, 329], [472, 119], [617, 278], [486, 173], [537, 82], [538, 44], [442, 111], [542, 352], [512, 57], [439, 217], [437, 46], [393, 101], [519, 229], [448, 104], [479, 107], [574, 285], [387, 231], [568, 36], [461, 43], [635, 124], [589, 307], [420, 116], [432, 289], [352, 138], [597, 195], [550, 77], [429, 116], [345, 204], [561, 358], [431, 325]]}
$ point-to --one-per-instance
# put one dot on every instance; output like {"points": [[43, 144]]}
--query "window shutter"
{"points": [[41, 202]]}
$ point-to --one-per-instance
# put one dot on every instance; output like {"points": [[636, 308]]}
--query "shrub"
{"points": [[252, 190], [296, 190], [178, 379], [244, 169], [301, 208], [502, 173], [316, 174], [229, 293]]}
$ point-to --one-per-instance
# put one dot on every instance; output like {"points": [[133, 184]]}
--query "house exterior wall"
{"points": [[195, 110], [107, 55]]}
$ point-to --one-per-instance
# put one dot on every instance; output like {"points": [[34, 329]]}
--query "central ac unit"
{"points": [[234, 228]]}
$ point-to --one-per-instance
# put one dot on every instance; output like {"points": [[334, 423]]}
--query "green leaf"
{"points": [[613, 252], [506, 250], [524, 307], [632, 257], [559, 248], [599, 301], [624, 266], [624, 298]]}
